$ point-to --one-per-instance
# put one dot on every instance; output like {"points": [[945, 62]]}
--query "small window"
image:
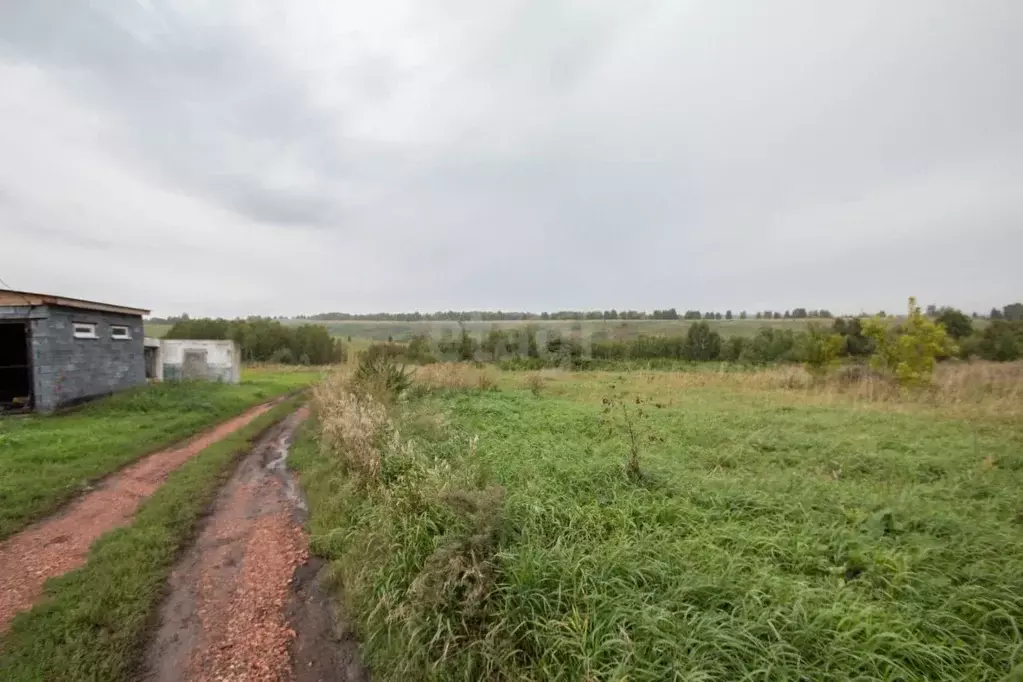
{"points": [[119, 332], [85, 330]]}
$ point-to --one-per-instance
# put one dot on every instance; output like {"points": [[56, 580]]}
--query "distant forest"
{"points": [[1012, 312]]}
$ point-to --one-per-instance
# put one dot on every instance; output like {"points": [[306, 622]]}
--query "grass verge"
{"points": [[763, 539], [47, 460], [93, 623]]}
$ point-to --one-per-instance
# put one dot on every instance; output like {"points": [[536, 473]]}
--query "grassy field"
{"points": [[46, 460], [619, 329], [774, 533], [156, 331], [95, 620]]}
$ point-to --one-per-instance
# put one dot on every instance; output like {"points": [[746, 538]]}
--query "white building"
{"points": [[182, 359]]}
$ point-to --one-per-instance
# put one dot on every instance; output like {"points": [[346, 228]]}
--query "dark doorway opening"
{"points": [[15, 368], [194, 365], [149, 354]]}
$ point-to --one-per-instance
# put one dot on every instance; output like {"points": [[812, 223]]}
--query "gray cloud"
{"points": [[249, 157]]}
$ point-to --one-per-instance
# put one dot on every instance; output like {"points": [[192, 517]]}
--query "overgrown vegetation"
{"points": [[47, 460], [905, 348], [767, 537], [416, 526], [266, 340], [94, 621]]}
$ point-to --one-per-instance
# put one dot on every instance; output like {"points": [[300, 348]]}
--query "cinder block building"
{"points": [[57, 351]]}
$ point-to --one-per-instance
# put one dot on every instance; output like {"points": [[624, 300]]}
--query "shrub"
{"points": [[1001, 341], [734, 348], [909, 351], [535, 384], [821, 349], [381, 376], [957, 324], [419, 350], [856, 344], [282, 356], [702, 343]]}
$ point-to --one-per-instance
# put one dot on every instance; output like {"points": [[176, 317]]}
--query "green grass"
{"points": [[765, 541], [94, 621], [156, 331], [47, 460]]}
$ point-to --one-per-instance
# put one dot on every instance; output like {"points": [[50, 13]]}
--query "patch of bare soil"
{"points": [[59, 544], [245, 602]]}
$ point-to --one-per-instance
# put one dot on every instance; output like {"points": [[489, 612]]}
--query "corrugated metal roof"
{"points": [[9, 297]]}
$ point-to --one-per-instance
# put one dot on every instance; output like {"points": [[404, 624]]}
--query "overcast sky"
{"points": [[250, 157]]}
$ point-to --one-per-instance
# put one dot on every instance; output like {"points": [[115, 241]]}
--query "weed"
{"points": [[625, 413], [535, 383]]}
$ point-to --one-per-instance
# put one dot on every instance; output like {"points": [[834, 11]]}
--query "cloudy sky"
{"points": [[253, 157]]}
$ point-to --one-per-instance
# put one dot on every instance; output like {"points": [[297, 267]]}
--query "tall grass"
{"points": [[413, 525], [765, 541], [976, 388]]}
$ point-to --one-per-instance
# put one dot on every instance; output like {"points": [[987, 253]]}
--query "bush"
{"points": [[909, 351], [821, 349], [734, 348], [382, 377], [957, 324], [282, 356], [1001, 341], [702, 343], [856, 344]]}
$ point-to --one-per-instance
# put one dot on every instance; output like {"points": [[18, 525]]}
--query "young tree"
{"points": [[909, 351], [728, 314]]}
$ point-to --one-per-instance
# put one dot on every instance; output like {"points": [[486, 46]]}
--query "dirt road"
{"points": [[245, 602], [59, 544]]}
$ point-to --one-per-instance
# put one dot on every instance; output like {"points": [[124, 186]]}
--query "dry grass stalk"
{"points": [[351, 424], [457, 375], [975, 388]]}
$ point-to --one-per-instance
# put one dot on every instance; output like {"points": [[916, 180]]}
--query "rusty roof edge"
{"points": [[69, 302]]}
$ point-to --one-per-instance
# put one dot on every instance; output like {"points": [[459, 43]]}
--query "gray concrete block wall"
{"points": [[68, 369]]}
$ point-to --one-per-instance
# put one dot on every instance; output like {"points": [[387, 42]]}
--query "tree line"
{"points": [[1012, 312], [845, 337], [266, 340]]}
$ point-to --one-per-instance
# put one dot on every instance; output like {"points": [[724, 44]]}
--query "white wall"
{"points": [[222, 357]]}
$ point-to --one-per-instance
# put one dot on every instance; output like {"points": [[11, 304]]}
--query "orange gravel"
{"points": [[226, 616], [248, 634], [54, 546]]}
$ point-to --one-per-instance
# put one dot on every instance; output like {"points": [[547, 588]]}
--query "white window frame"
{"points": [[84, 330], [120, 332]]}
